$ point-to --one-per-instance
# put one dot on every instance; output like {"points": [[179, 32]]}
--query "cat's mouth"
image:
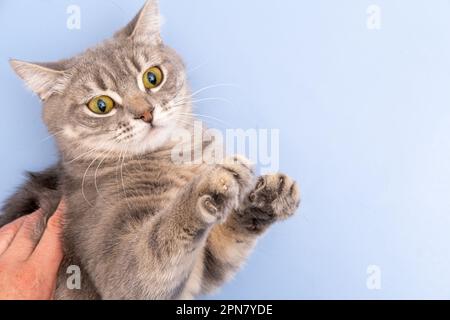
{"points": [[153, 131]]}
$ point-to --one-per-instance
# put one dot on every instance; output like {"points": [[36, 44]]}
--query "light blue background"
{"points": [[364, 118]]}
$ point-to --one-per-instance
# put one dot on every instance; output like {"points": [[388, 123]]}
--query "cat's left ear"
{"points": [[44, 79], [146, 26]]}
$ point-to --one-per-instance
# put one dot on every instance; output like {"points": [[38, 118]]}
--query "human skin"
{"points": [[29, 267]]}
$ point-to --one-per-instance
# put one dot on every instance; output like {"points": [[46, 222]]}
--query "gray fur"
{"points": [[139, 225]]}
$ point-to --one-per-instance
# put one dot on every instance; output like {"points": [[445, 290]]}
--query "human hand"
{"points": [[28, 269]]}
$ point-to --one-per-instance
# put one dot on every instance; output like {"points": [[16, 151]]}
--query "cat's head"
{"points": [[127, 94]]}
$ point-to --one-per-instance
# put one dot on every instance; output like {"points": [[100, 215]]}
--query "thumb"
{"points": [[49, 252]]}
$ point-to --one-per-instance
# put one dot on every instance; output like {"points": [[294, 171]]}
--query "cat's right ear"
{"points": [[42, 79], [146, 25]]}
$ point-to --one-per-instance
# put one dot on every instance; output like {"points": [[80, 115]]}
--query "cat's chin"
{"points": [[155, 131], [153, 139]]}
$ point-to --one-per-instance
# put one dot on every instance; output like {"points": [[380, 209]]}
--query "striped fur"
{"points": [[138, 225]]}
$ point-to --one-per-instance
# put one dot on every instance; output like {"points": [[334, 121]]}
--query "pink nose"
{"points": [[147, 116]]}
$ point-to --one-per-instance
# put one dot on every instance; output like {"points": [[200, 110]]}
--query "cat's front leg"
{"points": [[275, 197], [177, 234], [222, 189]]}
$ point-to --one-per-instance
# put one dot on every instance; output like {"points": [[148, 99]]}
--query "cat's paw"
{"points": [[223, 188], [275, 197], [277, 194]]}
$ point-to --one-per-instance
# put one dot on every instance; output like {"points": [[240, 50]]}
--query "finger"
{"points": [[8, 232], [24, 242], [48, 252]]}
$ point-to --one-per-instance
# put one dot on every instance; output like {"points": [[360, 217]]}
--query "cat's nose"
{"points": [[147, 116]]}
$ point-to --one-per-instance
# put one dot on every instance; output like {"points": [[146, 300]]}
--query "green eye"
{"points": [[153, 78], [101, 105]]}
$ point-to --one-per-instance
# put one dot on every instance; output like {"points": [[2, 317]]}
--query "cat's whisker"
{"points": [[183, 103], [207, 117], [191, 70], [121, 177], [190, 97], [219, 85], [84, 178], [192, 120], [212, 99], [85, 154], [119, 158], [174, 115], [82, 155], [51, 136], [184, 121], [106, 153]]}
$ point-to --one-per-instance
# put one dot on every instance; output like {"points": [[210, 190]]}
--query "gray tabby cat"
{"points": [[138, 225]]}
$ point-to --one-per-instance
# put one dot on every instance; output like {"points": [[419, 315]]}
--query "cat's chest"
{"points": [[159, 181], [139, 183]]}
